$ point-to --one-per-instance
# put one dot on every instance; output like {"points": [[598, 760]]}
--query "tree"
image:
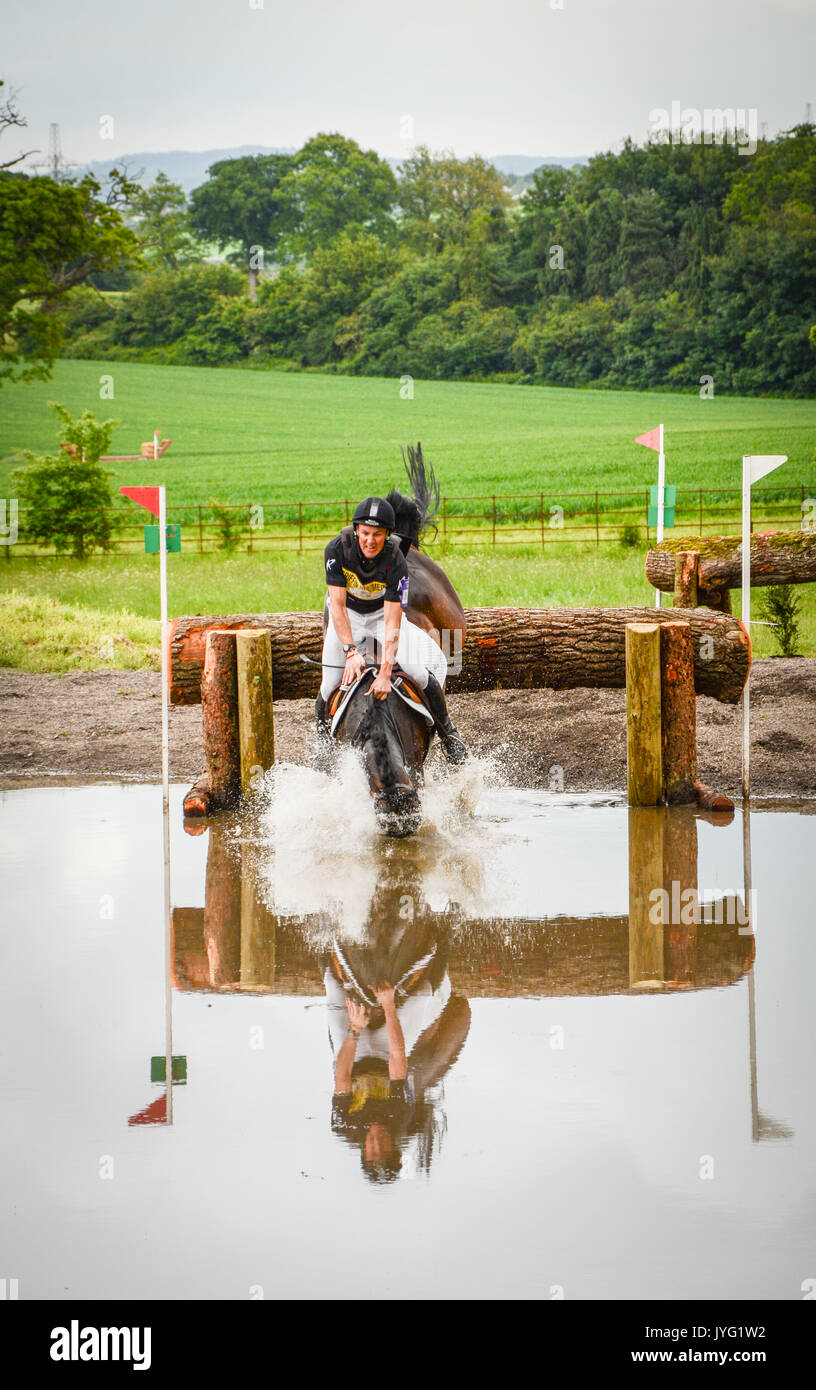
{"points": [[439, 195], [334, 186], [10, 116], [164, 228], [67, 497], [244, 202], [53, 237]]}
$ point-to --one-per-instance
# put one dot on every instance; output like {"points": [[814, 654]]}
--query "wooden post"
{"points": [[222, 909], [255, 709], [685, 578], [646, 925], [678, 713], [219, 701], [680, 867], [257, 930], [597, 524], [644, 762]]}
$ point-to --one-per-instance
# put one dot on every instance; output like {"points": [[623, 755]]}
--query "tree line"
{"points": [[653, 266]]}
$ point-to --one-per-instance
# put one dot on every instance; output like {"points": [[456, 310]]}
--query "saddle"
{"points": [[401, 684]]}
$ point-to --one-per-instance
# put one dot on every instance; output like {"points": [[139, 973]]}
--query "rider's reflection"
{"points": [[395, 1029]]}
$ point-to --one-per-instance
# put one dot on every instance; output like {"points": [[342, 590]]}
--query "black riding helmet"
{"points": [[374, 511]]}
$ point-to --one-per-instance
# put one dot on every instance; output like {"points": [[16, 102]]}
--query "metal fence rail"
{"points": [[540, 520]]}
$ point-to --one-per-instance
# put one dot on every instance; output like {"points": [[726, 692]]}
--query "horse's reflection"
{"points": [[395, 1027]]}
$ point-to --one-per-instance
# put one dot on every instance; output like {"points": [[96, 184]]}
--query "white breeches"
{"points": [[417, 653]]}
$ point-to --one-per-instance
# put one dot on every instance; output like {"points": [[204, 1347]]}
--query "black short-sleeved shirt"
{"points": [[367, 583]]}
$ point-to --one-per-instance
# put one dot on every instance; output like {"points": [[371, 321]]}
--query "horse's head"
{"points": [[394, 742]]}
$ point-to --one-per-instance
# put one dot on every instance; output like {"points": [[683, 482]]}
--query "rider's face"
{"points": [[371, 540]]}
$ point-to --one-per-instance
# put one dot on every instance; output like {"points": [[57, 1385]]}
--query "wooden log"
{"points": [[710, 800], [219, 699], [644, 762], [718, 599], [490, 958], [511, 648], [777, 557], [256, 730], [679, 713], [198, 801], [685, 578]]}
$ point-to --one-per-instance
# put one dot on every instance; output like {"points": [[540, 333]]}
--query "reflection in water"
{"points": [[395, 1028], [398, 972]]}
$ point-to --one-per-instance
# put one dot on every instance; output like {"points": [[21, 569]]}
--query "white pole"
{"points": [[661, 482], [746, 619], [165, 717], [156, 434]]}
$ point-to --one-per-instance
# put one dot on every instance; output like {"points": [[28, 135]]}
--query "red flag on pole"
{"points": [[146, 497], [651, 439]]}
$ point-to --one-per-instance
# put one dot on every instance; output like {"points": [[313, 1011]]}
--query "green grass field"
{"points": [[268, 437], [278, 437]]}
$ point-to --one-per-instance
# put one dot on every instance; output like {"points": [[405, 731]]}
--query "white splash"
{"points": [[320, 853]]}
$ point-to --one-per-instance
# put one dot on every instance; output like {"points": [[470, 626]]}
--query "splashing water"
{"points": [[321, 854]]}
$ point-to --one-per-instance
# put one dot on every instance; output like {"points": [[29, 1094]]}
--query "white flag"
{"points": [[760, 464]]}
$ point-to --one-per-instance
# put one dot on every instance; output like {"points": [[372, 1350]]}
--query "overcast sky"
{"points": [[475, 76]]}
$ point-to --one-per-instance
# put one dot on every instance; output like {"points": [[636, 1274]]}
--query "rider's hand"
{"points": [[354, 667], [358, 1013], [385, 996], [381, 686]]}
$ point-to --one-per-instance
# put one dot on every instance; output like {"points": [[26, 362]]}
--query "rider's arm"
{"points": [[393, 619], [355, 661], [345, 1062], [339, 614], [397, 1061]]}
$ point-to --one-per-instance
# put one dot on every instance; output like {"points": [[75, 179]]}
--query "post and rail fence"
{"points": [[521, 520]]}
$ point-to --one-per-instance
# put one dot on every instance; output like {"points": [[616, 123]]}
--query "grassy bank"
{"points": [[61, 615]]}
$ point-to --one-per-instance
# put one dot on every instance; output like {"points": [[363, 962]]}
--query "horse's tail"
{"points": [[416, 513]]}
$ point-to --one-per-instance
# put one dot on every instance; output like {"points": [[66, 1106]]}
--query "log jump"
{"points": [[232, 664], [506, 648], [702, 570]]}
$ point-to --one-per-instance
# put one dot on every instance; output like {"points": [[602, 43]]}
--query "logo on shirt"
{"points": [[356, 587], [331, 563]]}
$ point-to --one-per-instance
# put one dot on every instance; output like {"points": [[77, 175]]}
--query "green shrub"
{"points": [[780, 606], [66, 498]]}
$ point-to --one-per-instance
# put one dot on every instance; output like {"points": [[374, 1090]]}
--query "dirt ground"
{"points": [[92, 725]]}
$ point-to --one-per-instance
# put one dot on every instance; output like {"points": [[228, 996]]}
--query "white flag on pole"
{"points": [[760, 464]]}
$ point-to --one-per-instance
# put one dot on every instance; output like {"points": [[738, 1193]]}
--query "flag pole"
{"points": [[661, 481], [165, 718]]}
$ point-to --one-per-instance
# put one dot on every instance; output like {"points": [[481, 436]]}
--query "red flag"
{"points": [[146, 497], [153, 1114], [651, 439]]}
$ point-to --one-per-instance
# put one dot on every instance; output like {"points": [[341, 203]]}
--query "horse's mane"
{"points": [[416, 513]]}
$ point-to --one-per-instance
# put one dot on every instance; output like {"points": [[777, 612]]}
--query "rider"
{"points": [[367, 579]]}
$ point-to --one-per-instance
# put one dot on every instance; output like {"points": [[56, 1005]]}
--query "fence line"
{"points": [[545, 519]]}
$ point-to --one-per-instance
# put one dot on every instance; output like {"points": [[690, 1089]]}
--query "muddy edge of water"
{"points": [[105, 724]]}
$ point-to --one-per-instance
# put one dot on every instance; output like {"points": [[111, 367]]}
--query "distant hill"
{"points": [[527, 164], [189, 167]]}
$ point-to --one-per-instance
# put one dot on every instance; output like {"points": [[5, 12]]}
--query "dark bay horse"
{"points": [[394, 735]]}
